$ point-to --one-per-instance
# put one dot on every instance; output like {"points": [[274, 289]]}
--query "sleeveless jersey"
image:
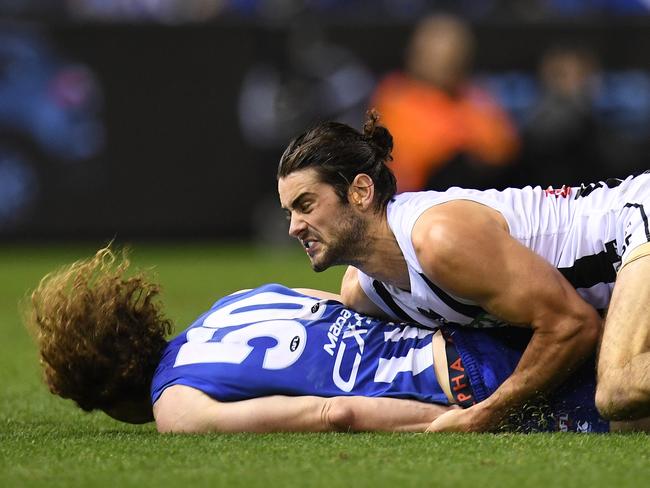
{"points": [[583, 231], [275, 341]]}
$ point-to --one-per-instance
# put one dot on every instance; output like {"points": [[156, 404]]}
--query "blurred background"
{"points": [[165, 119]]}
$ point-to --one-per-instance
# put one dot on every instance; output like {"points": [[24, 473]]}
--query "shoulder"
{"points": [[181, 408], [405, 209], [448, 231]]}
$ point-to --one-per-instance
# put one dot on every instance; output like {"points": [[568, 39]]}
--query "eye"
{"points": [[306, 207]]}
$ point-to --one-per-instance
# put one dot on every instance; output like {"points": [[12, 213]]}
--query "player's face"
{"points": [[330, 231]]}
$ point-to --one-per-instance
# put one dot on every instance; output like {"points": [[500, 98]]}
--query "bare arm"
{"points": [[318, 293], [185, 409], [353, 296], [466, 249]]}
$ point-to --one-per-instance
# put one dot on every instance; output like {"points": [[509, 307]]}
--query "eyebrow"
{"points": [[298, 200]]}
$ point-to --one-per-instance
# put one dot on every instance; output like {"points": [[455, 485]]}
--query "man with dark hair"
{"points": [[546, 259], [271, 359]]}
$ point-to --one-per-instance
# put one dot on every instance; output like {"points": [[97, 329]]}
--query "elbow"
{"points": [[590, 330], [583, 332], [575, 337], [621, 402], [338, 414], [619, 394]]}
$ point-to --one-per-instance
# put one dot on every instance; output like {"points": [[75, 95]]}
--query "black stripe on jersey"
{"points": [[585, 190], [591, 270], [458, 307], [388, 300], [643, 216]]}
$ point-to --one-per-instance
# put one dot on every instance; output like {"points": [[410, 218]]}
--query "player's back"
{"points": [[273, 340]]}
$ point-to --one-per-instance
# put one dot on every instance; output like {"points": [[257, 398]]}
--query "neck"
{"points": [[382, 257]]}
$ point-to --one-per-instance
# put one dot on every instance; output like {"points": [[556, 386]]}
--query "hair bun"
{"points": [[378, 136]]}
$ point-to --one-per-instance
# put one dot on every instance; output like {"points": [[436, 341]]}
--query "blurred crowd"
{"points": [[571, 119], [181, 11], [452, 129], [566, 122], [50, 121], [447, 129]]}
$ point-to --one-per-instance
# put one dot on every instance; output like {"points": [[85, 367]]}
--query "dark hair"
{"points": [[100, 332], [339, 153]]}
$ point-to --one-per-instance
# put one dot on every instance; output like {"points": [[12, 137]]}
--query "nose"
{"points": [[296, 226]]}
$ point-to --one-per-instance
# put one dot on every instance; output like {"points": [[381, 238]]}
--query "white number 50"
{"points": [[266, 318]]}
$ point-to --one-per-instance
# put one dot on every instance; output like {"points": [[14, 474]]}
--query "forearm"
{"points": [[186, 409], [551, 356], [382, 414]]}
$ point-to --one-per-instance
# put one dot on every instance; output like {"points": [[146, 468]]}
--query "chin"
{"points": [[320, 265], [317, 266], [326, 259]]}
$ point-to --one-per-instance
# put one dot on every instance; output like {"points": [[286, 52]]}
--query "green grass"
{"points": [[46, 441]]}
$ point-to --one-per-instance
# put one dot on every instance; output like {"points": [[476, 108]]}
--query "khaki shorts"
{"points": [[636, 253]]}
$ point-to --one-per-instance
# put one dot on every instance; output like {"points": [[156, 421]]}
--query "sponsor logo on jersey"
{"points": [[566, 424], [335, 331], [347, 325], [458, 379]]}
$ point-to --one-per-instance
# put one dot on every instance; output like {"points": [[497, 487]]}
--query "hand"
{"points": [[472, 419]]}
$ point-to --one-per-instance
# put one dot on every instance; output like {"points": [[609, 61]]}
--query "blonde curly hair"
{"points": [[100, 333]]}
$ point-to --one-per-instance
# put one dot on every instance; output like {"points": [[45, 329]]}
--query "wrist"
{"points": [[488, 415]]}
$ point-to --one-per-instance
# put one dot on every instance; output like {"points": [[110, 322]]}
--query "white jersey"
{"points": [[585, 232]]}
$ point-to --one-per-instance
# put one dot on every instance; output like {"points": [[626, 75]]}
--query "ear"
{"points": [[362, 191]]}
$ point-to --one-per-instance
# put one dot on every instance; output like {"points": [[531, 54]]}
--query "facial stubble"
{"points": [[347, 244]]}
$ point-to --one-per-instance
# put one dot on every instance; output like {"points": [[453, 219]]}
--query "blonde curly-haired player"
{"points": [[268, 359]]}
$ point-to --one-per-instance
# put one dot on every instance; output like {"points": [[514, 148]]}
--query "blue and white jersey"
{"points": [[487, 357], [275, 341]]}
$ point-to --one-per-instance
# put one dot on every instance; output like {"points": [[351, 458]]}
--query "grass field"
{"points": [[45, 441]]}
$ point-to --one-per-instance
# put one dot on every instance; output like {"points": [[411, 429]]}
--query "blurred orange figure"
{"points": [[435, 113]]}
